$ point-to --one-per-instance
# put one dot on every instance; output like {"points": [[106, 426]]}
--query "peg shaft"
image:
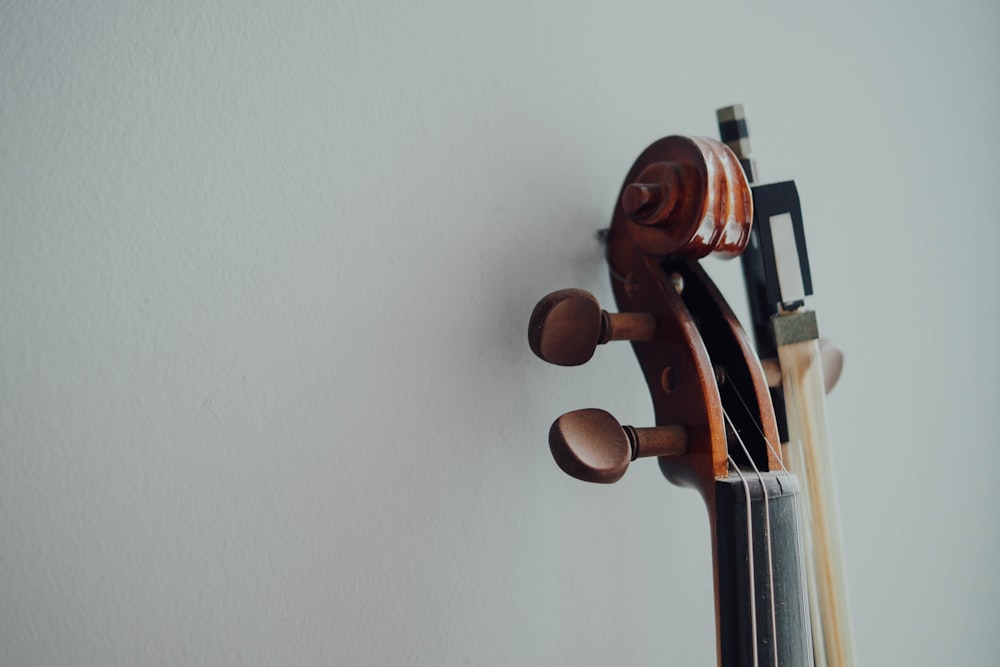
{"points": [[628, 326], [658, 441]]}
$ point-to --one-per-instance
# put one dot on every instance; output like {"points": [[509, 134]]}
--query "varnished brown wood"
{"points": [[659, 441], [628, 326], [690, 396], [690, 196], [659, 192], [592, 446], [567, 326]]}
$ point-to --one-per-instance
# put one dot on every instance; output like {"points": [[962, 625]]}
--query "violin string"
{"points": [[797, 509], [602, 236], [767, 536], [770, 446], [753, 586]]}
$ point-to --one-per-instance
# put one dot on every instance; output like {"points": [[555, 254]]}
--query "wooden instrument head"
{"points": [[683, 199]]}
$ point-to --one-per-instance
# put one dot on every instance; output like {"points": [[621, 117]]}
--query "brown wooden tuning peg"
{"points": [[831, 357], [567, 326], [592, 446]]}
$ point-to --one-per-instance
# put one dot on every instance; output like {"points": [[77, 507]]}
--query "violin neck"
{"points": [[763, 615]]}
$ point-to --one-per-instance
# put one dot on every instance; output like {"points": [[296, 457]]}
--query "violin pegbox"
{"points": [[683, 199]]}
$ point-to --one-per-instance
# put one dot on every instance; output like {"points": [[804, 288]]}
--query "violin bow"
{"points": [[777, 278]]}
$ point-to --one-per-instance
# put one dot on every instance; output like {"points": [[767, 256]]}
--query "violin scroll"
{"points": [[691, 197], [683, 198]]}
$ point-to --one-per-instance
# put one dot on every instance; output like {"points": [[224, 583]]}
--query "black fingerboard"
{"points": [[779, 578]]}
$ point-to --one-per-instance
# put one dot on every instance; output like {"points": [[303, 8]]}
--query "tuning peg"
{"points": [[592, 446], [831, 357], [567, 326]]}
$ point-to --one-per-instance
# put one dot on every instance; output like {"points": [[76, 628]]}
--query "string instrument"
{"points": [[715, 426]]}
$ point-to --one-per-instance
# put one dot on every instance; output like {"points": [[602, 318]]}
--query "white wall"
{"points": [[265, 275]]}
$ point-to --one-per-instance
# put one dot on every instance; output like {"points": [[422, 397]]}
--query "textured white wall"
{"points": [[265, 275]]}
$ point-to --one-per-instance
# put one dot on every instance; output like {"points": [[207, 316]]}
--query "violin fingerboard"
{"points": [[764, 620]]}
